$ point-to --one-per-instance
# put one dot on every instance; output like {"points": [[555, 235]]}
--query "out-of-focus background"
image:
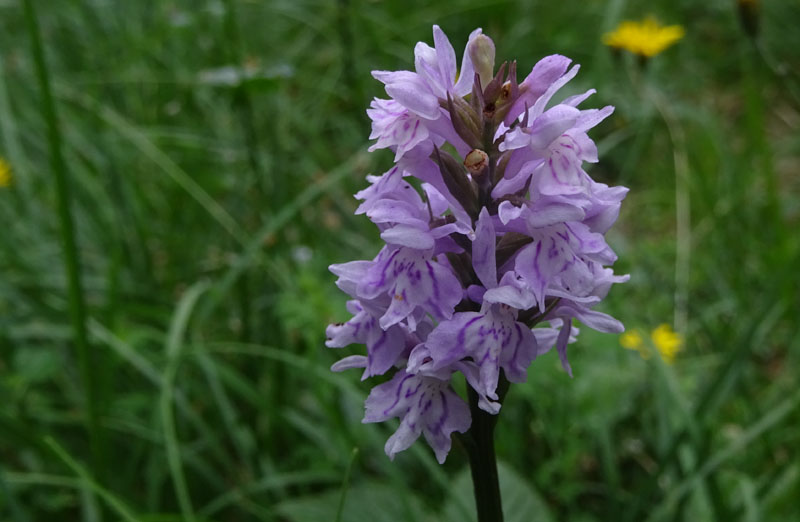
{"points": [[212, 149]]}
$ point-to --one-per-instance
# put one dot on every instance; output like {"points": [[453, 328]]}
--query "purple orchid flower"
{"points": [[491, 253]]}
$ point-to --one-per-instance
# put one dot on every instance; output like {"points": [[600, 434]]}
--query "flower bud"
{"points": [[456, 180], [465, 121], [481, 52], [476, 161]]}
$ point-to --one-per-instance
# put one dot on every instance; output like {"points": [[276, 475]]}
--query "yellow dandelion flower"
{"points": [[5, 173], [667, 342], [631, 340], [645, 38]]}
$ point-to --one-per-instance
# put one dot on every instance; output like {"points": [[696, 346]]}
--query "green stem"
{"points": [[482, 459], [77, 306]]}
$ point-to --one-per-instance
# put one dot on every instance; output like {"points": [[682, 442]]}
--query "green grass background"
{"points": [[212, 149]]}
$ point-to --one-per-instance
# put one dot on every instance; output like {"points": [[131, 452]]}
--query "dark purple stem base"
{"points": [[482, 459]]}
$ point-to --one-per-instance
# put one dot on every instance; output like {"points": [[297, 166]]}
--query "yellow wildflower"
{"points": [[631, 340], [5, 173], [645, 38], [666, 341]]}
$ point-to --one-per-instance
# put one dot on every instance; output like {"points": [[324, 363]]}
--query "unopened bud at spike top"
{"points": [[481, 51]]}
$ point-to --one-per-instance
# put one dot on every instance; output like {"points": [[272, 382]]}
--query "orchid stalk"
{"points": [[488, 264]]}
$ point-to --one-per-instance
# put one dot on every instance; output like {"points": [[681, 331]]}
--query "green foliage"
{"points": [[213, 148]]}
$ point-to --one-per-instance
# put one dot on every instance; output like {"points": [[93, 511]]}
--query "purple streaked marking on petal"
{"points": [[463, 332], [411, 392], [443, 417], [398, 393], [434, 282], [376, 346]]}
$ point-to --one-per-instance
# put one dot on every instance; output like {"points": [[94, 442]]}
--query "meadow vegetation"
{"points": [[211, 150]]}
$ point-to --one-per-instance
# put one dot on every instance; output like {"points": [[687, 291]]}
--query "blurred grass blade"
{"points": [[125, 351], [227, 410], [13, 506], [129, 354], [77, 307], [174, 343], [159, 157], [272, 482], [273, 225], [346, 484], [116, 505], [776, 415], [11, 144]]}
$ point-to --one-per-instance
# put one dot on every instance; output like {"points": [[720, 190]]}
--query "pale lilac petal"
{"points": [[545, 339], [605, 207], [510, 186], [542, 101], [515, 139], [436, 200], [576, 100], [425, 405], [466, 76], [384, 347], [543, 74], [401, 439], [408, 236], [412, 280], [562, 174], [447, 343], [423, 104], [380, 186], [410, 91], [387, 400], [378, 278], [551, 211], [531, 265], [350, 274], [446, 57], [450, 228], [471, 373], [517, 357], [550, 125], [598, 320], [561, 345], [492, 339], [353, 270], [512, 291], [591, 117], [585, 148], [483, 250], [348, 363], [508, 212], [475, 293], [395, 211]]}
